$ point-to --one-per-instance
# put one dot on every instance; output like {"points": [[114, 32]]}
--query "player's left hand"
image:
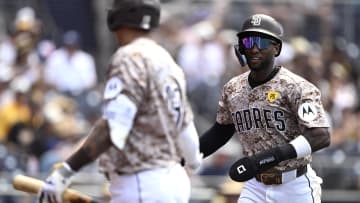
{"points": [[55, 185]]}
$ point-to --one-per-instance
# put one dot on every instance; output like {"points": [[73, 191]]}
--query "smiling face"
{"points": [[260, 51]]}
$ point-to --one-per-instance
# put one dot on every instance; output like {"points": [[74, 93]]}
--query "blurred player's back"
{"points": [[154, 81]]}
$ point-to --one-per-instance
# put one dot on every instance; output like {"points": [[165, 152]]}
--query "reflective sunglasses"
{"points": [[261, 43]]}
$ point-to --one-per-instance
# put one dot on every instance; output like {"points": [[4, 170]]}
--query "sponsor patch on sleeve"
{"points": [[113, 88], [307, 112]]}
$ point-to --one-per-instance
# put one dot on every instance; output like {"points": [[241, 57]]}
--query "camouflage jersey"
{"points": [[271, 114], [156, 85]]}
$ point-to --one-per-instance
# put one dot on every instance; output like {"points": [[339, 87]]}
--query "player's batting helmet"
{"points": [[263, 24], [141, 14]]}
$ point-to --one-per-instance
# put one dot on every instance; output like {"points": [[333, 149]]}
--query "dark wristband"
{"points": [[247, 167], [270, 158]]}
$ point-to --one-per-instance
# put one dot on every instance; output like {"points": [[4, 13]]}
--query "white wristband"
{"points": [[68, 167], [302, 146]]}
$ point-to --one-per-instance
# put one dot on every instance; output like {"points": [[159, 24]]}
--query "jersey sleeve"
{"points": [[122, 96], [223, 115], [126, 76]]}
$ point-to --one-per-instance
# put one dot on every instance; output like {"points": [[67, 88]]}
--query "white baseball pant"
{"points": [[304, 189], [162, 185]]}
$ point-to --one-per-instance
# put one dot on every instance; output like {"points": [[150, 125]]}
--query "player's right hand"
{"points": [[244, 169], [247, 167], [55, 184]]}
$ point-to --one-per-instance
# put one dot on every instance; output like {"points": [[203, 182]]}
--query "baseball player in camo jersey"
{"points": [[147, 125], [278, 117]]}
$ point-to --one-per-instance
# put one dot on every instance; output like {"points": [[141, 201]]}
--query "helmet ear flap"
{"points": [[279, 50], [239, 52], [240, 47]]}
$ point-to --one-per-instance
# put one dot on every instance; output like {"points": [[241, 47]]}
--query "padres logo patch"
{"points": [[307, 112], [272, 96], [256, 20]]}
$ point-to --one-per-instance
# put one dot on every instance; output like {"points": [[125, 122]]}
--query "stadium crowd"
{"points": [[51, 91]]}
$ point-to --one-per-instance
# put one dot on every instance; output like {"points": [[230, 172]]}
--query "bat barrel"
{"points": [[27, 184], [33, 185]]}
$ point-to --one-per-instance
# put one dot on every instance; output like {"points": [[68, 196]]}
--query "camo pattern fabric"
{"points": [[273, 113], [156, 84]]}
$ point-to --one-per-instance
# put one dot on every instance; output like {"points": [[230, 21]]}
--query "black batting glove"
{"points": [[247, 167], [244, 169]]}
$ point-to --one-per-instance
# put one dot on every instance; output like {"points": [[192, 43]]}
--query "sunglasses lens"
{"points": [[261, 43]]}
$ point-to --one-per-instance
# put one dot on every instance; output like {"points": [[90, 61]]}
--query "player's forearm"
{"points": [[318, 138], [302, 146], [215, 138], [97, 142]]}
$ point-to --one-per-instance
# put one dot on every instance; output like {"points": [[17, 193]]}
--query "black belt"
{"points": [[276, 177]]}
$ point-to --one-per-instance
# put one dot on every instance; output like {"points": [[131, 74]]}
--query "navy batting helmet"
{"points": [[263, 24], [141, 14]]}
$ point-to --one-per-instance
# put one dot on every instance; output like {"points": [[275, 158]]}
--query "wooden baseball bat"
{"points": [[33, 185]]}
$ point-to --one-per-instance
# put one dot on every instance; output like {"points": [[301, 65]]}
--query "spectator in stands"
{"points": [[203, 61], [16, 110], [69, 68]]}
